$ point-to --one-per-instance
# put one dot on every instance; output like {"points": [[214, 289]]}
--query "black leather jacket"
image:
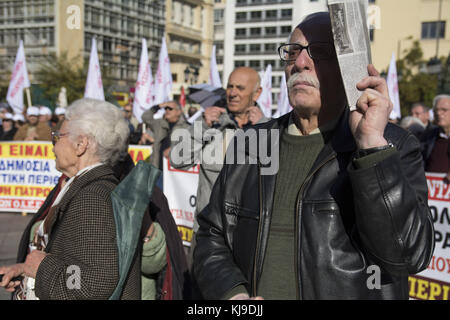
{"points": [[346, 221]]}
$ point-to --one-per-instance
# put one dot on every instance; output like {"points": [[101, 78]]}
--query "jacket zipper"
{"points": [[258, 242], [297, 224]]}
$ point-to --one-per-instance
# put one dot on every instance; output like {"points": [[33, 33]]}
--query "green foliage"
{"points": [[57, 72], [415, 85]]}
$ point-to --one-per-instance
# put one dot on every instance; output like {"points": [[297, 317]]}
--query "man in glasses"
{"points": [[344, 217], [162, 128]]}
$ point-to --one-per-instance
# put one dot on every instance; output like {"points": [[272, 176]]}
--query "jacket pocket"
{"points": [[329, 207]]}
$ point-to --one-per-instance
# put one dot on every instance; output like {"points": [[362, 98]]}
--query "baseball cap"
{"points": [[60, 111], [18, 117], [33, 111]]}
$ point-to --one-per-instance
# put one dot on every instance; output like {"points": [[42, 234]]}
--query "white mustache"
{"points": [[303, 77]]}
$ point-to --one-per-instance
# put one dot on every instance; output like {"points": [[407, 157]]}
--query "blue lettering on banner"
{"points": [[42, 179], [12, 178], [27, 165]]}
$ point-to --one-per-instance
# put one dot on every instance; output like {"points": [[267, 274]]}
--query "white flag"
{"points": [[94, 84], [214, 77], [265, 99], [143, 98], [19, 81], [392, 83], [283, 99], [163, 81]]}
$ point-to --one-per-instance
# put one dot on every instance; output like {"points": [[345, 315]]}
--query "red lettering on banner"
{"points": [[29, 150], [131, 153], [140, 156], [437, 189], [5, 191], [39, 151], [13, 149]]}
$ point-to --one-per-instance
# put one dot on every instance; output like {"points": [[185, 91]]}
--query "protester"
{"points": [[413, 125], [45, 114], [243, 90], [420, 111], [79, 230], [349, 194], [162, 129], [128, 114], [435, 140], [33, 129], [19, 120], [7, 129]]}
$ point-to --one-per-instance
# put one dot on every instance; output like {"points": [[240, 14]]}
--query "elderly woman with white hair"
{"points": [[74, 254]]}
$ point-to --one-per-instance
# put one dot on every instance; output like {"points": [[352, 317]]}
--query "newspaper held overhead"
{"points": [[352, 43]]}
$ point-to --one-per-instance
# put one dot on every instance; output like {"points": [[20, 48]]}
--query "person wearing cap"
{"points": [[45, 114], [19, 120], [7, 130], [33, 129]]}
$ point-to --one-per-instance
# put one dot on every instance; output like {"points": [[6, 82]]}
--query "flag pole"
{"points": [[27, 90]]}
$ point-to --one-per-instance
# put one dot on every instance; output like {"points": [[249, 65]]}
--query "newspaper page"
{"points": [[352, 43]]}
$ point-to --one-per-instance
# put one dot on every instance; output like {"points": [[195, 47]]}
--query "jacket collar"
{"points": [[103, 172]]}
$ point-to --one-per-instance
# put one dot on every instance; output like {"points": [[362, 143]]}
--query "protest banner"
{"points": [[180, 188], [28, 173], [434, 282]]}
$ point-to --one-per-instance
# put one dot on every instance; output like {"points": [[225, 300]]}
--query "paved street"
{"points": [[11, 227]]}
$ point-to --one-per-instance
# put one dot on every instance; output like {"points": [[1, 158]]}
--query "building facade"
{"points": [[189, 36], [58, 26], [256, 28], [398, 23]]}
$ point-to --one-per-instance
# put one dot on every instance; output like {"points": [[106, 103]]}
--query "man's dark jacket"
{"points": [[346, 220]]}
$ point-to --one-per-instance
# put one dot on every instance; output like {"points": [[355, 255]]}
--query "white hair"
{"points": [[410, 120], [103, 124], [439, 98]]}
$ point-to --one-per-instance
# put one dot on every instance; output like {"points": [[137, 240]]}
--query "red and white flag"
{"points": [[163, 81], [265, 99], [94, 84], [214, 77], [182, 97], [19, 81], [392, 83], [283, 99], [143, 94]]}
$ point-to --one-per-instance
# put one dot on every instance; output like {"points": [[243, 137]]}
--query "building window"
{"points": [[270, 48], [239, 48], [270, 31], [255, 47], [271, 14], [256, 15], [255, 63], [218, 15], [433, 30], [240, 32], [241, 16], [285, 30], [255, 31], [286, 13], [239, 63]]}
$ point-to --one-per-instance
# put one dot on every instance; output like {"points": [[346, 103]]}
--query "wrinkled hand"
{"points": [[146, 137], [254, 114], [372, 111], [10, 272], [212, 114], [32, 263]]}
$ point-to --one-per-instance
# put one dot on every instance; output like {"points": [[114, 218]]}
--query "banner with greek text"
{"points": [[180, 188], [434, 282], [28, 173]]}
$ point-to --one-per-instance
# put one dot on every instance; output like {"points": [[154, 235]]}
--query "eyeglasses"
{"points": [[56, 135], [317, 51], [168, 108]]}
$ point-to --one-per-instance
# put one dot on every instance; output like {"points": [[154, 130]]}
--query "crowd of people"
{"points": [[349, 193]]}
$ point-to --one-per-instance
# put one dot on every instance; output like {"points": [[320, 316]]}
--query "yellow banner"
{"points": [[27, 150]]}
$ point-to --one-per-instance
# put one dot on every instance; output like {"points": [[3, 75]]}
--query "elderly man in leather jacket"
{"points": [[346, 214]]}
